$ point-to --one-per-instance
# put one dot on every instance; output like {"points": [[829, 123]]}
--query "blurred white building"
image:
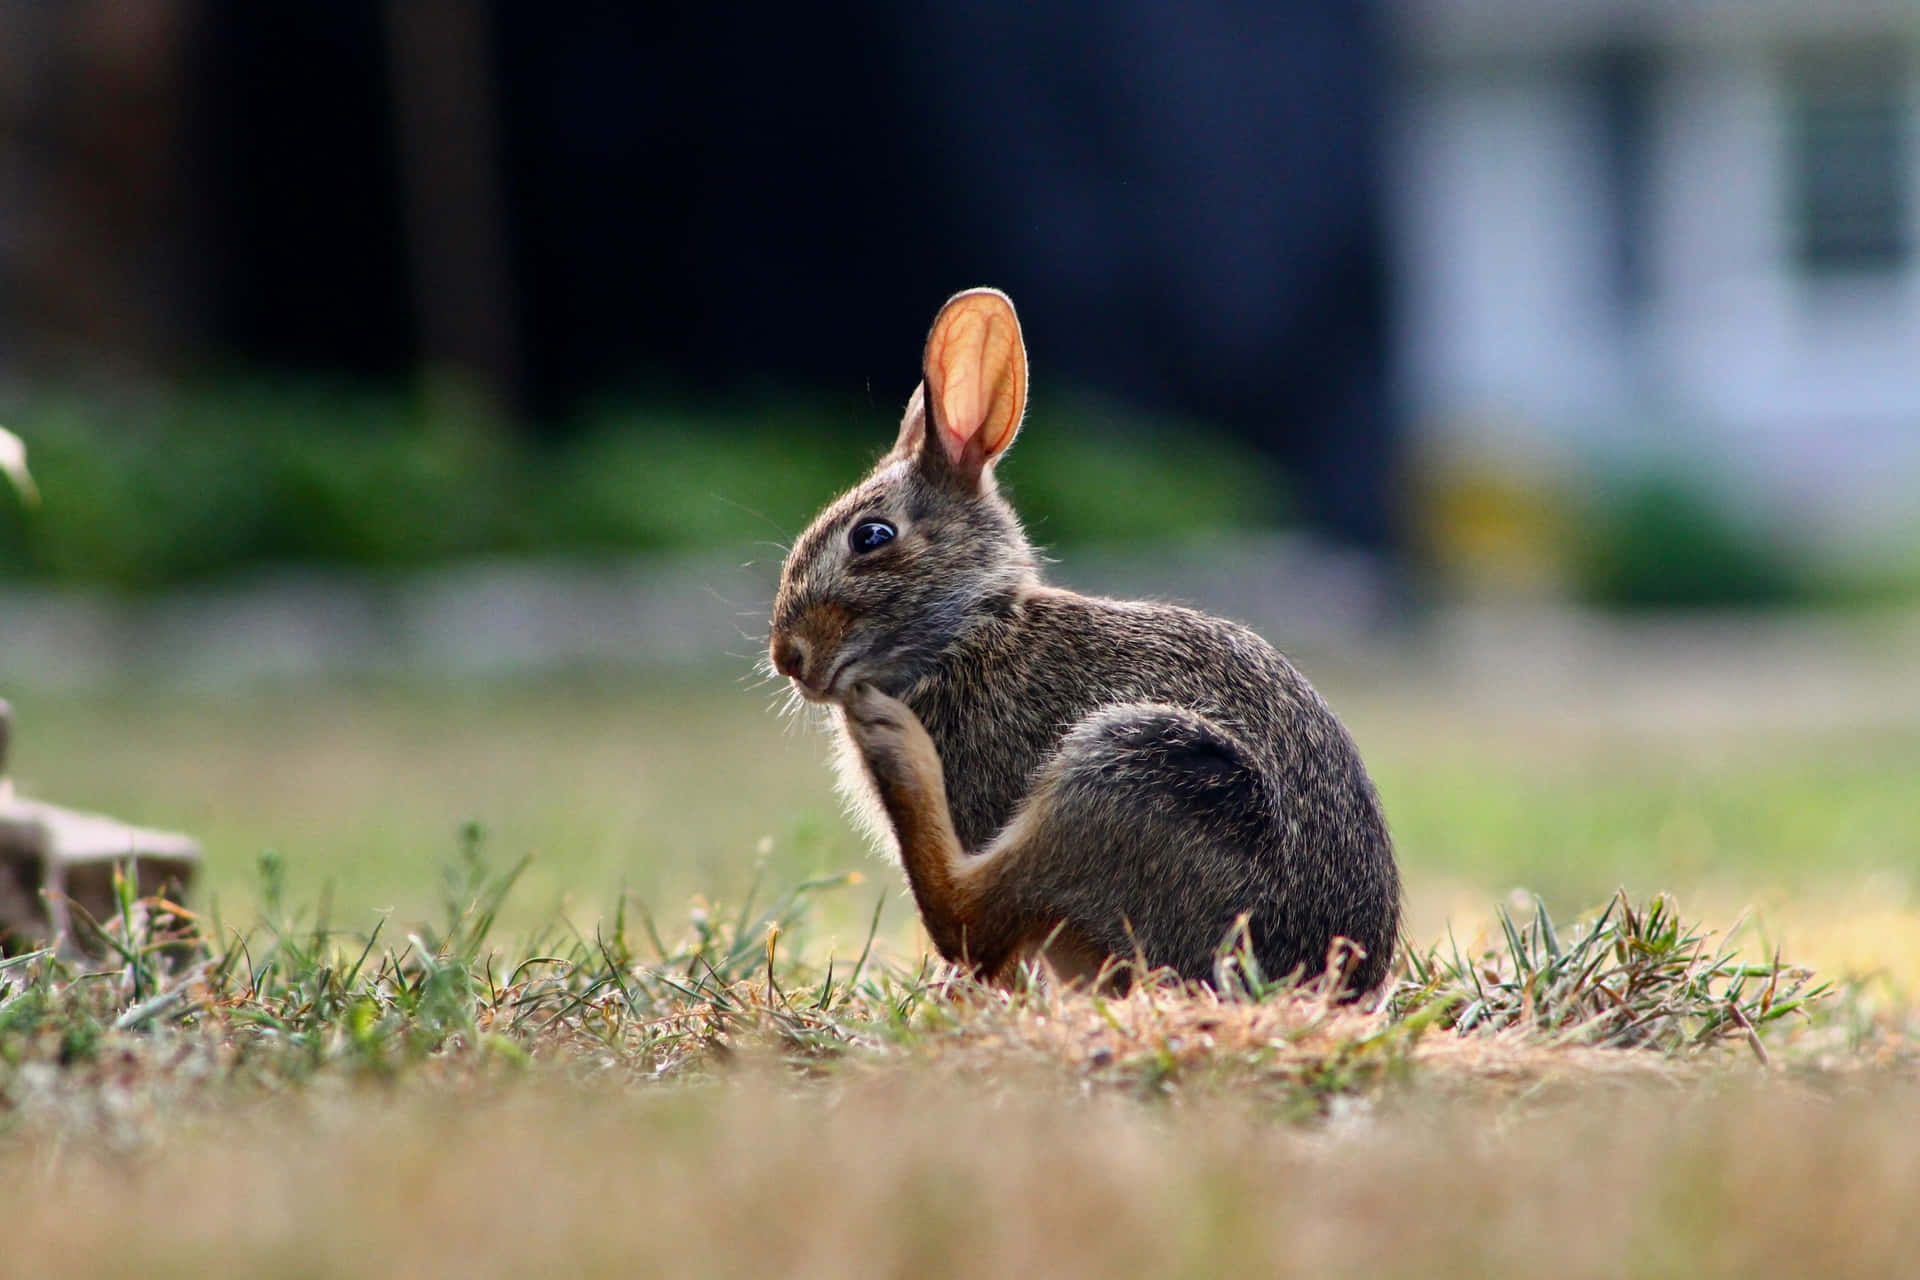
{"points": [[1628, 229]]}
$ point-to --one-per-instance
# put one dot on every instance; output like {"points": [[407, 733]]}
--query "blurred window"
{"points": [[1623, 80], [1851, 182]]}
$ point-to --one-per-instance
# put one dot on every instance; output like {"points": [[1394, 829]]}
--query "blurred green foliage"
{"points": [[1661, 541], [150, 491]]}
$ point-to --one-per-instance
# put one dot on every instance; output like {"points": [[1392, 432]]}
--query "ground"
{"points": [[657, 1083]]}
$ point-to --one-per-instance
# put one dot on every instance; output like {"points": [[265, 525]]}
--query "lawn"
{"points": [[677, 785], [619, 1071]]}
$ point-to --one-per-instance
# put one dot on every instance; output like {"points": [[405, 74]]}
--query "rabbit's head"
{"points": [[904, 563]]}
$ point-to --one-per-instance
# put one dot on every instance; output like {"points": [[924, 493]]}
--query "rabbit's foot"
{"points": [[967, 915], [905, 767], [899, 753]]}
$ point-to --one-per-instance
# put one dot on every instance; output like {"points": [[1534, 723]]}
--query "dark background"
{"points": [[691, 200]]}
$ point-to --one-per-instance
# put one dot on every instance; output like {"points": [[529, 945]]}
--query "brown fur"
{"points": [[1092, 778]]}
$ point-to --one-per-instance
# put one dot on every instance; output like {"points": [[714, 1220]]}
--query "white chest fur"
{"points": [[858, 794]]}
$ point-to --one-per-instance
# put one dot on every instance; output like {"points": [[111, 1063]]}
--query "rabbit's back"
{"points": [[999, 702]]}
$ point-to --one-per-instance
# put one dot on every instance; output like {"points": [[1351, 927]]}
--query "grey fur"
{"points": [[1133, 776]]}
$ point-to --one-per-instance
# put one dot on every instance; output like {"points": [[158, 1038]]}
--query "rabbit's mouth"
{"points": [[827, 689], [840, 668]]}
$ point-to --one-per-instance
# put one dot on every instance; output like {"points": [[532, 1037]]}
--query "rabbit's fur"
{"points": [[1081, 778]]}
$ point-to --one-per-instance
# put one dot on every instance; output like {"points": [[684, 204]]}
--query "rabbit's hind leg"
{"points": [[1146, 835], [1140, 840]]}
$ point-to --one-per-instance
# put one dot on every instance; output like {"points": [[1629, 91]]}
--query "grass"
{"points": [[676, 786], [618, 1101], [657, 1012], [291, 1000], [297, 995], [743, 1177]]}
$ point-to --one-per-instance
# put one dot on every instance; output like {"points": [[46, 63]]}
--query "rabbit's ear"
{"points": [[913, 426], [976, 387]]}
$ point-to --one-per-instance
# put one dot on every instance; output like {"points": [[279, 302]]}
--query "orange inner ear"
{"points": [[976, 367]]}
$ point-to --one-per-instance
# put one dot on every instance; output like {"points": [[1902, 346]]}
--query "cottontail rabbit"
{"points": [[1062, 775]]}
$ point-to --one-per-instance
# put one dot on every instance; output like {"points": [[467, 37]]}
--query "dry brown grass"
{"points": [[682, 1110], [717, 1109], [1003, 1175]]}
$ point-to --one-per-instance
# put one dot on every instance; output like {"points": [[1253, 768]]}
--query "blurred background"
{"points": [[419, 394], [1602, 301]]}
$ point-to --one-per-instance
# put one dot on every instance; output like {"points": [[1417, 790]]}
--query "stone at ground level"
{"points": [[57, 866]]}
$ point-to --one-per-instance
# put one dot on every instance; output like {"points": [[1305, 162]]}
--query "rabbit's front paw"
{"points": [[895, 745]]}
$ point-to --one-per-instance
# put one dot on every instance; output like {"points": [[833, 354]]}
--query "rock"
{"points": [[57, 865]]}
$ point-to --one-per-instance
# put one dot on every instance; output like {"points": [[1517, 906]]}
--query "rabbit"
{"points": [[1092, 783]]}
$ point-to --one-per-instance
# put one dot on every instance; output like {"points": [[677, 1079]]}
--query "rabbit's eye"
{"points": [[869, 535]]}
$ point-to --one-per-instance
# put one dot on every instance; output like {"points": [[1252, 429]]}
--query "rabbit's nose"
{"points": [[789, 657]]}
